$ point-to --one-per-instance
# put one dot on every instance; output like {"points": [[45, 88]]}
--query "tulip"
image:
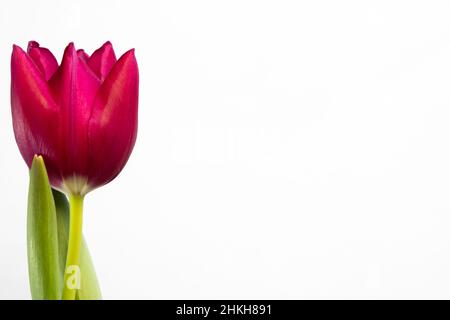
{"points": [[80, 116]]}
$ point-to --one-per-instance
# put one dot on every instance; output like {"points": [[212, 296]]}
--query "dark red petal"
{"points": [[43, 58], [102, 60], [74, 87], [83, 55], [35, 114], [113, 124]]}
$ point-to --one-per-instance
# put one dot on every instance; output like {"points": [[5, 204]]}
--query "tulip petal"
{"points": [[83, 55], [74, 87], [34, 112], [113, 123], [43, 58], [102, 60]]}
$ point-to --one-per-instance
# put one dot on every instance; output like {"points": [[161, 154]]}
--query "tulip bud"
{"points": [[80, 116]]}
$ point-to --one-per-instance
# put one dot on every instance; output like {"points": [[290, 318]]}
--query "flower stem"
{"points": [[72, 274]]}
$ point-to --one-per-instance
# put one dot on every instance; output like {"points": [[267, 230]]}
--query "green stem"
{"points": [[72, 274]]}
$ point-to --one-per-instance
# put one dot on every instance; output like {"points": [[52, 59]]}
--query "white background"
{"points": [[287, 149]]}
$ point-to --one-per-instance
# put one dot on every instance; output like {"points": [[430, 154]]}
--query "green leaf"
{"points": [[42, 240], [89, 289], [47, 240]]}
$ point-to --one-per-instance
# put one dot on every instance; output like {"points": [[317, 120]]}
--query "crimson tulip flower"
{"points": [[80, 116]]}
